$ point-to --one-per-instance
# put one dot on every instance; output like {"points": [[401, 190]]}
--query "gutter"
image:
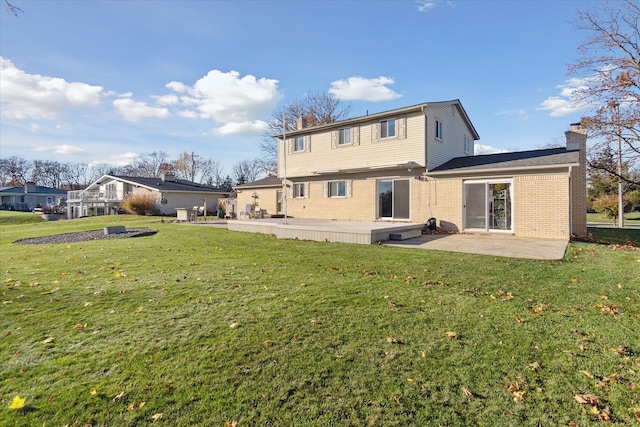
{"points": [[498, 170]]}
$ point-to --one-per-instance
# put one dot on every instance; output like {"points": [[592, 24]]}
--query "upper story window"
{"points": [[467, 144], [439, 129], [344, 136], [388, 128], [298, 144]]}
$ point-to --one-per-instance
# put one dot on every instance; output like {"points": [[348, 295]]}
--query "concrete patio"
{"points": [[499, 245]]}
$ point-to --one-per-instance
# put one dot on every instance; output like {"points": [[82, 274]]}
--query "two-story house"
{"points": [[104, 196], [416, 163]]}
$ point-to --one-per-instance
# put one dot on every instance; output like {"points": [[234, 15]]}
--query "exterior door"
{"points": [[393, 199], [488, 206]]}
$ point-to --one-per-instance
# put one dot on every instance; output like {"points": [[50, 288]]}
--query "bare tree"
{"points": [[13, 9], [15, 169], [191, 166], [315, 108], [74, 175], [246, 171], [610, 67], [150, 165], [212, 172]]}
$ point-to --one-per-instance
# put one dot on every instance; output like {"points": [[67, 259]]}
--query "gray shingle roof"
{"points": [[519, 159], [177, 185], [39, 190], [270, 181]]}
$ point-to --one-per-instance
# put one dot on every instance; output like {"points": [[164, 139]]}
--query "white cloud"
{"points": [[167, 100], [237, 103], [522, 113], [64, 149], [425, 5], [133, 111], [487, 149], [568, 100], [237, 128], [67, 149], [35, 96], [363, 89], [123, 159]]}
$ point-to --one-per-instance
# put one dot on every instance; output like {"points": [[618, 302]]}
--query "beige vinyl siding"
{"points": [[454, 131], [325, 154]]}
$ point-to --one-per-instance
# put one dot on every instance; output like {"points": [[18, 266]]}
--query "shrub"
{"points": [[138, 204], [634, 199], [607, 205]]}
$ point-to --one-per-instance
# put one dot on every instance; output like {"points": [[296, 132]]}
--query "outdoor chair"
{"points": [[247, 212]]}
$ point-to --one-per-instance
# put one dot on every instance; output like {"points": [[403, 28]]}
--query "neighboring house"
{"points": [[31, 196], [103, 197], [265, 194], [416, 163]]}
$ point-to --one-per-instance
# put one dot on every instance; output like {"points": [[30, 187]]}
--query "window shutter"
{"points": [[306, 190], [325, 189], [289, 146], [334, 138], [307, 143], [355, 135], [374, 132], [401, 123], [347, 191]]}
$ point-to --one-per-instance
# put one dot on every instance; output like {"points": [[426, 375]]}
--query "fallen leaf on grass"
{"points": [[118, 397], [588, 399], [231, 424], [234, 325], [467, 392], [534, 366], [394, 340], [514, 389], [588, 374], [607, 309], [158, 416], [397, 399], [48, 340], [453, 335], [17, 403], [93, 392], [134, 407]]}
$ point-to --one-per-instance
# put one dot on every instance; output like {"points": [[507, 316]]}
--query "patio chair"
{"points": [[247, 212]]}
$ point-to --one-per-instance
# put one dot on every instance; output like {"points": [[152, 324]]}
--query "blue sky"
{"points": [[106, 81]]}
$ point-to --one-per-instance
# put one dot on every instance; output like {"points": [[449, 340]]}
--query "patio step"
{"points": [[404, 235]]}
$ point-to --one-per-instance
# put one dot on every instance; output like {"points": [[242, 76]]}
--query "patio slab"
{"points": [[499, 245], [489, 244]]}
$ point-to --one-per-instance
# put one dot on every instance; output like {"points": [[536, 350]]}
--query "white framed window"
{"points": [[337, 189], [439, 129], [344, 136], [300, 190], [298, 143], [467, 144], [340, 188], [388, 128]]}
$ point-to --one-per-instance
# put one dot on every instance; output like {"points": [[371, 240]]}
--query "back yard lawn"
{"points": [[199, 326]]}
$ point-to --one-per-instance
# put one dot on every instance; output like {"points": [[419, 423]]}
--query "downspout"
{"points": [[426, 165]]}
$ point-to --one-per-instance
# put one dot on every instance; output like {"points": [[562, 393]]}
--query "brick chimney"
{"points": [[29, 187], [577, 141], [302, 123]]}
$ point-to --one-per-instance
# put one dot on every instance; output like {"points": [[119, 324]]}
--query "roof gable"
{"points": [[158, 184]]}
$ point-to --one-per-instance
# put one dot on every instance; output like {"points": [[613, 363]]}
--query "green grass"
{"points": [[12, 217], [323, 334], [630, 218]]}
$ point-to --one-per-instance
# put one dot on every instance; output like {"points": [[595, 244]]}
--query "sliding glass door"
{"points": [[488, 205], [393, 199]]}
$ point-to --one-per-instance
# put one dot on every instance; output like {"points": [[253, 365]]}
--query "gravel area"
{"points": [[85, 236]]}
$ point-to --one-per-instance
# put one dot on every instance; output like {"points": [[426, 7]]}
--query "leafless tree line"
{"points": [[72, 176]]}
